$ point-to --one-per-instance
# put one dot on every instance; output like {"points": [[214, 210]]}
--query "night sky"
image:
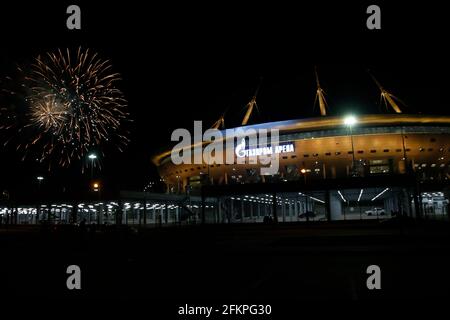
{"points": [[189, 62]]}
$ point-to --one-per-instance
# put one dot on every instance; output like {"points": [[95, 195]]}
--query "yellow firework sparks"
{"points": [[48, 114]]}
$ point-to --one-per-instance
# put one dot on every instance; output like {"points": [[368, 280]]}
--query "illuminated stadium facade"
{"points": [[326, 148], [330, 168]]}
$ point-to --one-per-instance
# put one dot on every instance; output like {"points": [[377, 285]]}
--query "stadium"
{"points": [[333, 168]]}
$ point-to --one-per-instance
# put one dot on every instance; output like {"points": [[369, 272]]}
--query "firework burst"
{"points": [[72, 105], [48, 114]]}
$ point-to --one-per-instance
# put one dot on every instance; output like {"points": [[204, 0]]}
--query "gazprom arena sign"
{"points": [[242, 151]]}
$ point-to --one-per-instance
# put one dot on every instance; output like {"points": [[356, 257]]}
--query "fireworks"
{"points": [[71, 106], [48, 114]]}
